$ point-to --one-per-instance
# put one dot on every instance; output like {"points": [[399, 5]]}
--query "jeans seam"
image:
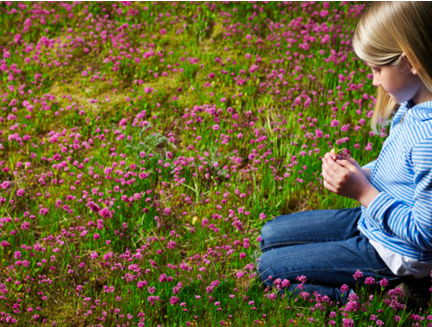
{"points": [[280, 244], [283, 244]]}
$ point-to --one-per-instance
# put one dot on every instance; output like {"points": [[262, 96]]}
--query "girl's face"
{"points": [[401, 84]]}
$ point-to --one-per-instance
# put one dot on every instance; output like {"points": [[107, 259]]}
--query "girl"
{"points": [[390, 235]]}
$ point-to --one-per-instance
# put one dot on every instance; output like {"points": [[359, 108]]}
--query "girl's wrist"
{"points": [[367, 172], [368, 196]]}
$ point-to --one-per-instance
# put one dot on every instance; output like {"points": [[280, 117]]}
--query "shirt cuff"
{"points": [[378, 207], [370, 165]]}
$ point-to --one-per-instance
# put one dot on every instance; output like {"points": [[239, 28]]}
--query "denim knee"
{"points": [[266, 234], [265, 270]]}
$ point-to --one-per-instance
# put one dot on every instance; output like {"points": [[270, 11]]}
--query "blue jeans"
{"points": [[323, 245]]}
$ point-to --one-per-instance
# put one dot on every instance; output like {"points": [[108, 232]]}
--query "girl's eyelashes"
{"points": [[374, 68]]}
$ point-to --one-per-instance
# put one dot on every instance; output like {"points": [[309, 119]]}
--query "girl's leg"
{"points": [[326, 265], [310, 227]]}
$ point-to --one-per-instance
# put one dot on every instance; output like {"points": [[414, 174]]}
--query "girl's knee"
{"points": [[265, 269], [268, 234], [275, 231]]}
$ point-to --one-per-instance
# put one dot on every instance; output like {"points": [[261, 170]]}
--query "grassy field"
{"points": [[143, 146]]}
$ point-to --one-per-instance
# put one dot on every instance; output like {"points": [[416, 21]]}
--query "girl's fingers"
{"points": [[331, 166], [328, 180], [331, 155], [329, 187], [346, 163]]}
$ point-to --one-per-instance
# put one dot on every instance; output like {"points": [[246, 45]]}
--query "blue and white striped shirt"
{"points": [[400, 217]]}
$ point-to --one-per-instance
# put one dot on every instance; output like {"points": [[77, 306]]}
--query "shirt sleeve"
{"points": [[410, 223], [370, 165]]}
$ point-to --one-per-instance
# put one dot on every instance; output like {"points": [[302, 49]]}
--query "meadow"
{"points": [[144, 144]]}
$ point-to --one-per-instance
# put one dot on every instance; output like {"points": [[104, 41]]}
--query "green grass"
{"points": [[173, 165]]}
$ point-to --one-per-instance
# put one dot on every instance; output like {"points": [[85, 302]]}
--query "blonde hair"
{"points": [[385, 33]]}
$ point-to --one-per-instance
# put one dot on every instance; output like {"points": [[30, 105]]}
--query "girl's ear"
{"points": [[405, 64]]}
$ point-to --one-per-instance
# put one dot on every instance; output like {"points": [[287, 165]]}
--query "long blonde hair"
{"points": [[386, 31]]}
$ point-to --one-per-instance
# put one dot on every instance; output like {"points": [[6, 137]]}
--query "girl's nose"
{"points": [[375, 81]]}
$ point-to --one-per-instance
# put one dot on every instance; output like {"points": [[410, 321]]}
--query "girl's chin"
{"points": [[395, 99]]}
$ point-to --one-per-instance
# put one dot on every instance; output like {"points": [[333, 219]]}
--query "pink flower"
{"points": [[148, 90], [106, 213], [334, 123], [358, 274], [43, 211], [352, 306], [4, 243], [345, 128], [302, 279], [152, 299], [369, 280], [285, 283], [171, 245], [344, 288], [5, 185], [174, 300], [253, 68], [384, 282], [142, 283], [319, 133], [93, 206]]}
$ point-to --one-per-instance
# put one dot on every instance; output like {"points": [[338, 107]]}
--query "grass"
{"points": [[160, 137]]}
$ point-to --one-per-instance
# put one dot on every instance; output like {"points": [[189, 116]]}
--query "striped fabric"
{"points": [[400, 217]]}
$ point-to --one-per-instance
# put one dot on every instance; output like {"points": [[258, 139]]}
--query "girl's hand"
{"points": [[344, 154], [345, 177]]}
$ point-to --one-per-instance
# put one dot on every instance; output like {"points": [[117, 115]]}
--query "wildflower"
{"points": [[347, 322], [43, 211], [369, 280], [352, 306], [384, 282], [171, 245], [152, 299], [344, 288], [174, 300], [177, 288], [334, 123], [240, 274], [105, 213], [302, 279], [142, 283], [253, 68], [271, 296], [358, 274], [285, 283]]}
